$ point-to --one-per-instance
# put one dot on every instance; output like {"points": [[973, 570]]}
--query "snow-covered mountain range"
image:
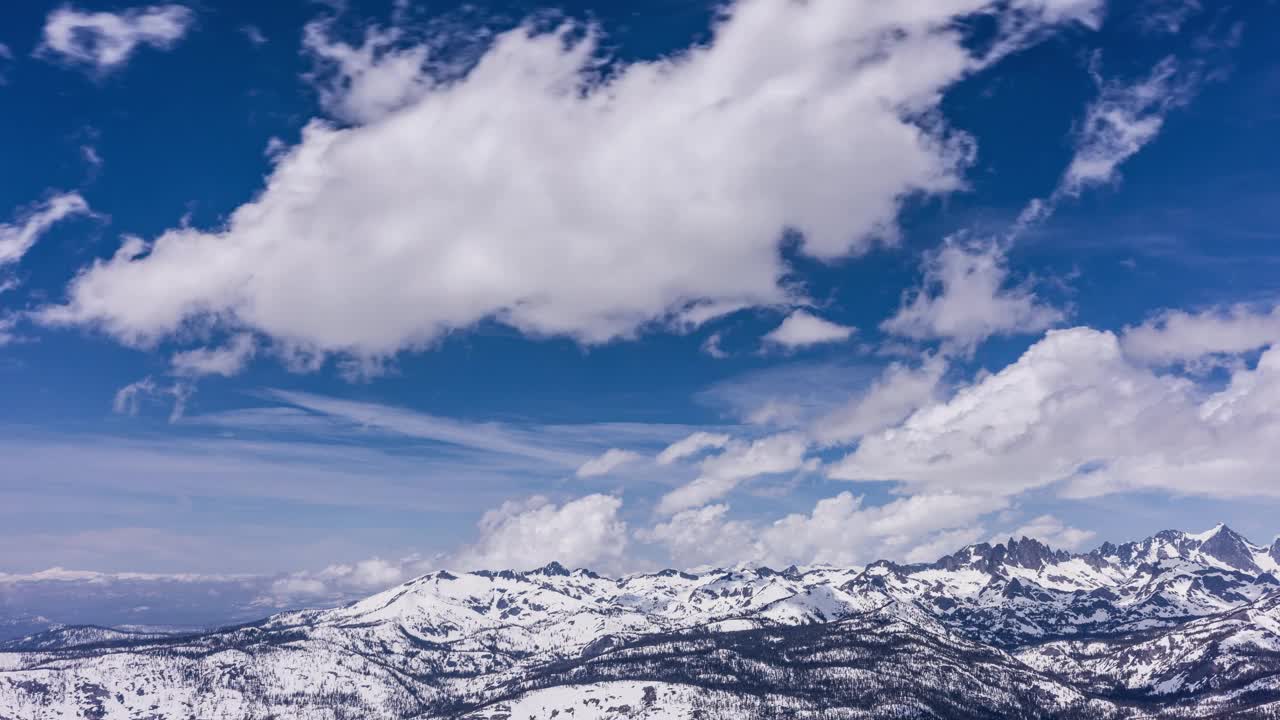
{"points": [[1177, 625]]}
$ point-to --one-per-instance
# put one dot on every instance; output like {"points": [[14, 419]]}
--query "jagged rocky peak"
{"points": [[552, 568], [976, 557], [1026, 553], [1228, 546], [1032, 554], [672, 572]]}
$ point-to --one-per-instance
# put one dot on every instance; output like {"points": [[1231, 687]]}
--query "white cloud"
{"points": [[841, 531], [17, 238], [298, 586], [692, 445], [363, 84], [965, 299], [720, 474], [1051, 531], [943, 543], [5, 55], [372, 574], [1123, 119], [254, 35], [898, 392], [1176, 336], [130, 398], [702, 536], [91, 157], [539, 193], [698, 314], [487, 437], [1166, 15], [1074, 411], [611, 460], [790, 395], [711, 346], [838, 531], [779, 413], [7, 322], [225, 361], [342, 580], [105, 40], [801, 329], [584, 532]]}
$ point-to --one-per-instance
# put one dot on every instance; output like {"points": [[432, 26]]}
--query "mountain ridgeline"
{"points": [[1179, 625]]}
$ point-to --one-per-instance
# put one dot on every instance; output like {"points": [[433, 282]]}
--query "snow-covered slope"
{"points": [[1176, 625]]}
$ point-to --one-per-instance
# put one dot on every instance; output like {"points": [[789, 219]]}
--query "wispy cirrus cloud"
{"points": [[488, 437], [18, 237]]}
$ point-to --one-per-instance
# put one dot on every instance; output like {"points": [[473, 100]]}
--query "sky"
{"points": [[338, 292]]}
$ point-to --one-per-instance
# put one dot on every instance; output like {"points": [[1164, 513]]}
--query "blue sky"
{"points": [[391, 286]]}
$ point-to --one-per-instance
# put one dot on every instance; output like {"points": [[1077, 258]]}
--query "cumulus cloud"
{"points": [[1051, 531], [531, 533], [225, 361], [18, 237], [898, 392], [610, 460], [1124, 118], [692, 445], [538, 191], [702, 536], [1075, 412], [839, 530], [362, 84], [740, 460], [341, 579], [966, 298], [104, 41], [943, 543], [802, 329], [1177, 336]]}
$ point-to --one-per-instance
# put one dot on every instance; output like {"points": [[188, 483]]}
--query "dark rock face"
{"points": [[1226, 545], [1032, 554], [552, 568]]}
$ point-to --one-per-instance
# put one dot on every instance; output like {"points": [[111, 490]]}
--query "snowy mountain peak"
{"points": [[1027, 553], [552, 568], [1231, 548], [1185, 609], [1032, 554]]}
